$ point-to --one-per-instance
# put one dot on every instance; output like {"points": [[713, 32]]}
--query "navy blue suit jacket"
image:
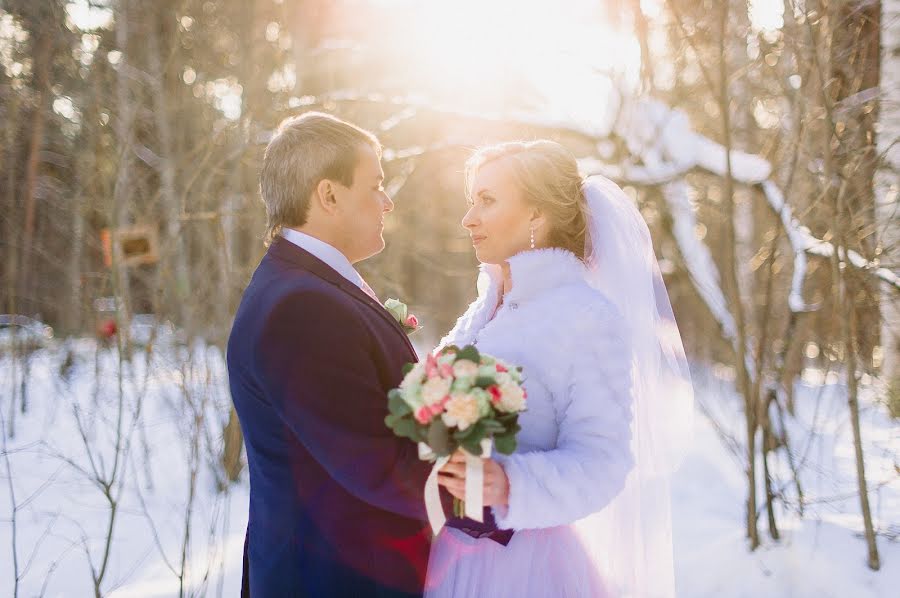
{"points": [[336, 500]]}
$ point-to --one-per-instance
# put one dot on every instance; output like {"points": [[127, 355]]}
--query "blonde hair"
{"points": [[547, 174], [305, 150]]}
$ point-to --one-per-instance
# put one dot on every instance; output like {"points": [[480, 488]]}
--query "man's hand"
{"points": [[496, 485]]}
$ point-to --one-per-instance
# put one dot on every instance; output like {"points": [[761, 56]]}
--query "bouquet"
{"points": [[458, 398]]}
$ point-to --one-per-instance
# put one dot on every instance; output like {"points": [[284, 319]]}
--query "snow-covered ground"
{"points": [[62, 516]]}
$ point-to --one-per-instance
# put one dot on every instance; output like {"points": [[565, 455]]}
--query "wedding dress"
{"points": [[608, 417]]}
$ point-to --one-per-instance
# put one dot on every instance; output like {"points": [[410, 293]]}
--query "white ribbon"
{"points": [[475, 481], [474, 501]]}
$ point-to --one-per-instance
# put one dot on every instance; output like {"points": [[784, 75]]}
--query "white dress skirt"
{"points": [[573, 454], [539, 562]]}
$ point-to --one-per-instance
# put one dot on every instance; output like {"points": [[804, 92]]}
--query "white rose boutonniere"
{"points": [[400, 311]]}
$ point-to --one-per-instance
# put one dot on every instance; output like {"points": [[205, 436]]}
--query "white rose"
{"points": [[410, 386], [483, 398], [461, 385], [463, 368], [512, 398], [435, 389], [413, 376], [446, 358], [503, 378], [487, 371], [462, 411]]}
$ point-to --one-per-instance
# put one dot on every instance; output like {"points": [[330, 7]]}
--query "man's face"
{"points": [[362, 207]]}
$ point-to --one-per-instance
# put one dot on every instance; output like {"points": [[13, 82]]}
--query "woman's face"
{"points": [[499, 220]]}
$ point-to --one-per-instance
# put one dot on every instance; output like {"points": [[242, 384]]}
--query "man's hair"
{"points": [[305, 150]]}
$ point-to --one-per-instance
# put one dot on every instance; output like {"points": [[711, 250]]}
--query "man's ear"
{"points": [[325, 197]]}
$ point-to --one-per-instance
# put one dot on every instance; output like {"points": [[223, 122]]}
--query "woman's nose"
{"points": [[388, 203], [469, 219]]}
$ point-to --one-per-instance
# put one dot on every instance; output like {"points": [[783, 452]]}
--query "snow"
{"points": [[802, 241], [664, 143], [821, 555], [667, 144], [61, 512], [700, 264], [798, 237]]}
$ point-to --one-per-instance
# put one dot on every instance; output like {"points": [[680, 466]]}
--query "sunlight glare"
{"points": [[562, 55], [766, 15], [88, 16]]}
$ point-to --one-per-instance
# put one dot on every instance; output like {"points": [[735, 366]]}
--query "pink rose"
{"points": [[424, 415], [412, 321], [501, 368], [496, 395], [431, 366]]}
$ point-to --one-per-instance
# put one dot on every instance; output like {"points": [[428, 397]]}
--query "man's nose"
{"points": [[388, 203]]}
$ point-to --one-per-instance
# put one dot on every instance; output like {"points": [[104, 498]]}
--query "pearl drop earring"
{"points": [[532, 237]]}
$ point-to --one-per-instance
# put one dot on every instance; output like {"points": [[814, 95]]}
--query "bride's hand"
{"points": [[496, 485]]}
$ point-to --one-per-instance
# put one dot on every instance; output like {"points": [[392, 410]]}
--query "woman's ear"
{"points": [[324, 196], [538, 219]]}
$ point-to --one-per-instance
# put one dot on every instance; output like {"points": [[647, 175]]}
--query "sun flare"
{"points": [[564, 56]]}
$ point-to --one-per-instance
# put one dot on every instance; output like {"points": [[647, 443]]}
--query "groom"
{"points": [[336, 500]]}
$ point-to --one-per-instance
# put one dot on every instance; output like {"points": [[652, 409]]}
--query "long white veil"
{"points": [[631, 539]]}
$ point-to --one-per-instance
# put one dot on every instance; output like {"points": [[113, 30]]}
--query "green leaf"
{"points": [[472, 439], [507, 419], [397, 405], [505, 444], [408, 368], [473, 444], [420, 433], [469, 352], [463, 434], [438, 437], [484, 382], [406, 428], [491, 426]]}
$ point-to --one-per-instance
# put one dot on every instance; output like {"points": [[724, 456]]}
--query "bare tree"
{"points": [[840, 180]]}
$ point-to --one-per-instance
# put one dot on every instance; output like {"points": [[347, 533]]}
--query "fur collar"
{"points": [[532, 272], [535, 271]]}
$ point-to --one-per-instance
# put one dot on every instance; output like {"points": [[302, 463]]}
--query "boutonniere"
{"points": [[400, 311]]}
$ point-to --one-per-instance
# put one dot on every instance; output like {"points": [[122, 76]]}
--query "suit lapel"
{"points": [[284, 249]]}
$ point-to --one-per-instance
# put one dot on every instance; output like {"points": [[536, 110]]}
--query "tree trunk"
{"points": [[122, 190], [887, 195], [732, 283], [43, 45], [843, 170], [12, 245], [234, 442], [85, 165], [176, 260]]}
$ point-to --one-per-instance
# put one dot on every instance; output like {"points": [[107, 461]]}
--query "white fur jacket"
{"points": [[574, 448]]}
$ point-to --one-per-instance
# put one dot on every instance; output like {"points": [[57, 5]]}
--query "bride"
{"points": [[570, 290]]}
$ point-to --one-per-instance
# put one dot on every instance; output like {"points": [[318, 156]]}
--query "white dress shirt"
{"points": [[325, 252]]}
